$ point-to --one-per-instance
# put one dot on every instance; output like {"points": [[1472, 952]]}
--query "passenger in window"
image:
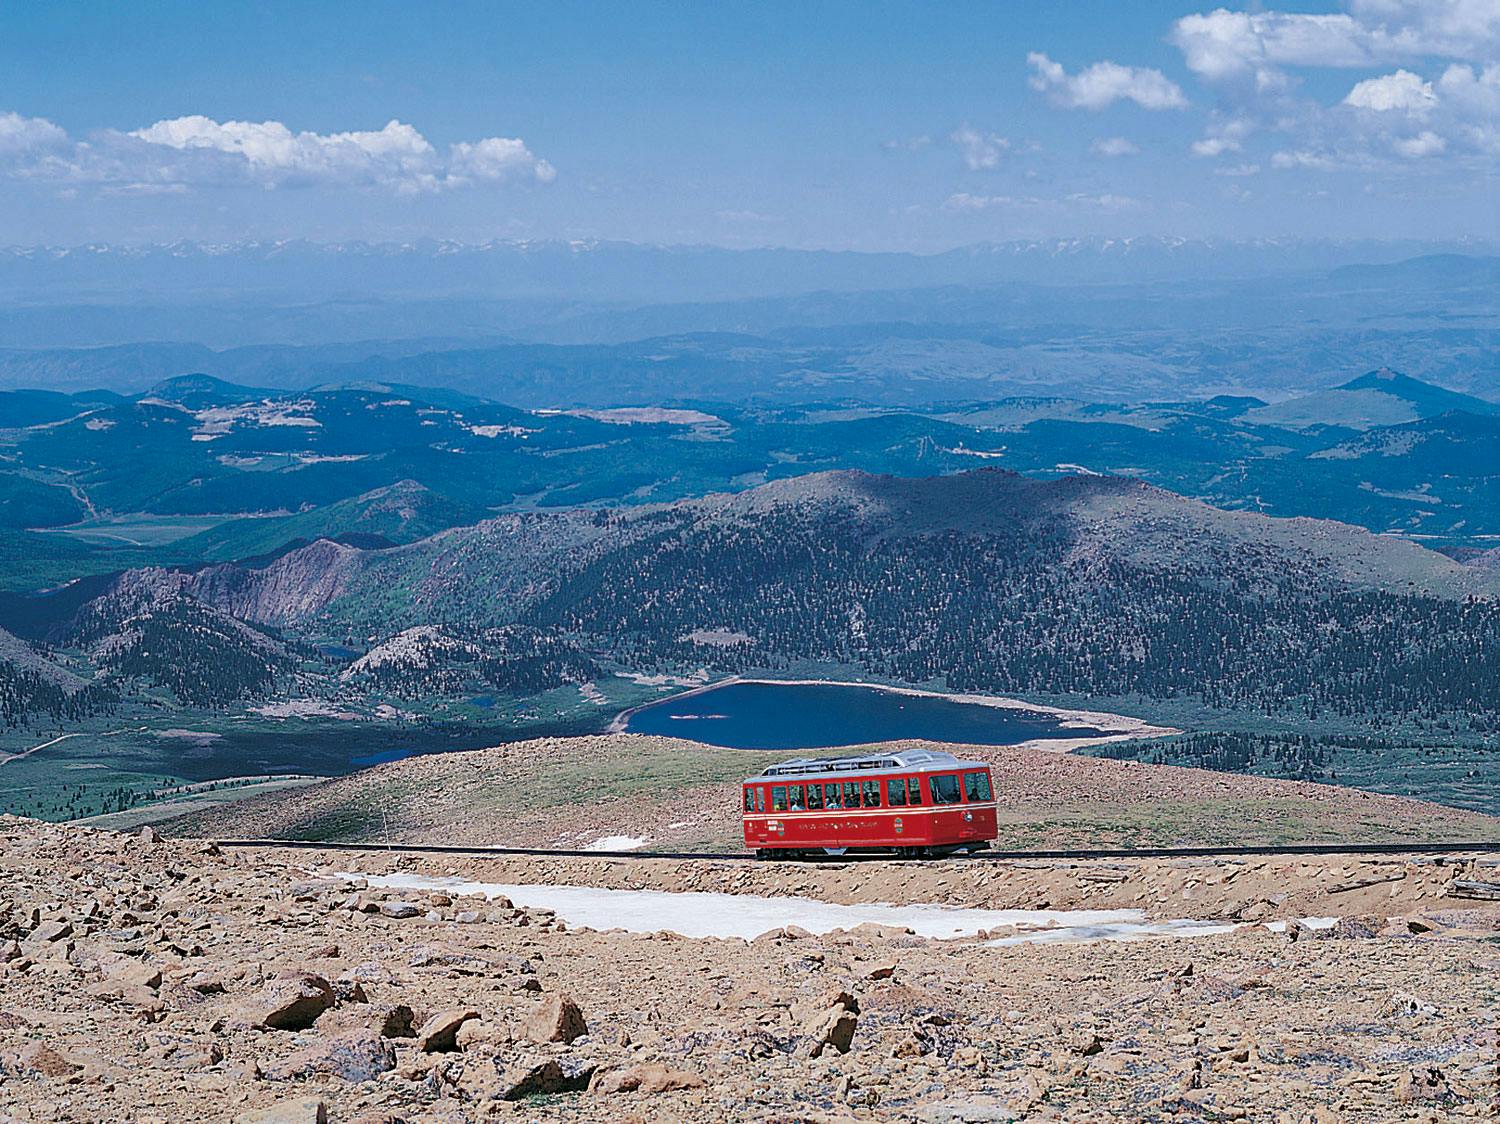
{"points": [[851, 794], [831, 795], [976, 786], [895, 792], [872, 794], [760, 800], [778, 798], [814, 798], [913, 790], [749, 800], [797, 805], [944, 789]]}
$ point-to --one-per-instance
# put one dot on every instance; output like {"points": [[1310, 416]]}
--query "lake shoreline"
{"points": [[1109, 727]]}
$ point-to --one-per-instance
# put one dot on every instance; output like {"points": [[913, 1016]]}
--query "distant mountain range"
{"points": [[1083, 587], [605, 271], [198, 470]]}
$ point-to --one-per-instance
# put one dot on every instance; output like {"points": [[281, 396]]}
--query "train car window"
{"points": [[797, 805], [760, 800], [831, 795], [895, 792], [851, 794], [872, 794], [778, 798], [976, 786], [814, 798], [913, 790], [944, 789], [749, 800]]}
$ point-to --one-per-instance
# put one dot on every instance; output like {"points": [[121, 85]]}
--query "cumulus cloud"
{"points": [[1103, 84], [1113, 146], [1402, 92], [183, 152], [34, 136], [1225, 45], [981, 151]]}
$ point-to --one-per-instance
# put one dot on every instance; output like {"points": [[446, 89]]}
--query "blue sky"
{"points": [[871, 126]]}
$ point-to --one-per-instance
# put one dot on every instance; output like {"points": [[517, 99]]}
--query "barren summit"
{"points": [[150, 980]]}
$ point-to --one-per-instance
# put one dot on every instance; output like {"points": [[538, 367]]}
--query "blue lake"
{"points": [[810, 716]]}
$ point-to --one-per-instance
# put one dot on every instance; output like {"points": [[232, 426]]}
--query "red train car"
{"points": [[915, 804]]}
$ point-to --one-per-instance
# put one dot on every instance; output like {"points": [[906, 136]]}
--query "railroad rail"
{"points": [[1063, 854]]}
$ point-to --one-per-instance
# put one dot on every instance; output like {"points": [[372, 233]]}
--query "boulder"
{"points": [[650, 1077], [438, 1034], [556, 1019], [400, 910], [288, 1003], [357, 1055], [40, 1058], [530, 1076], [49, 931]]}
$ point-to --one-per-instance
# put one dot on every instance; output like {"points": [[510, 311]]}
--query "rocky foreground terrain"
{"points": [[143, 980]]}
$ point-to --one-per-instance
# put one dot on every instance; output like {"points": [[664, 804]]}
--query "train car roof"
{"points": [[906, 761]]}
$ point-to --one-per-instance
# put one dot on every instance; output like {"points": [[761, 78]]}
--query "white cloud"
{"points": [[1103, 84], [1223, 136], [29, 136], [963, 201], [1425, 143], [1113, 146], [1466, 91], [184, 152], [981, 151], [498, 158], [1226, 45], [1303, 158], [1402, 92], [1107, 201]]}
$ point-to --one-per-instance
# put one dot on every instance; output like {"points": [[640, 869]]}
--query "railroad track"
{"points": [[1081, 854]]}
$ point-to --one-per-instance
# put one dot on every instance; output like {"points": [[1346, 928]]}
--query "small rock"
{"points": [[833, 1025], [400, 910]]}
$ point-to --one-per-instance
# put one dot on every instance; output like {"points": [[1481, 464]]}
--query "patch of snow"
{"points": [[747, 916], [99, 423], [649, 415], [497, 430], [616, 843]]}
